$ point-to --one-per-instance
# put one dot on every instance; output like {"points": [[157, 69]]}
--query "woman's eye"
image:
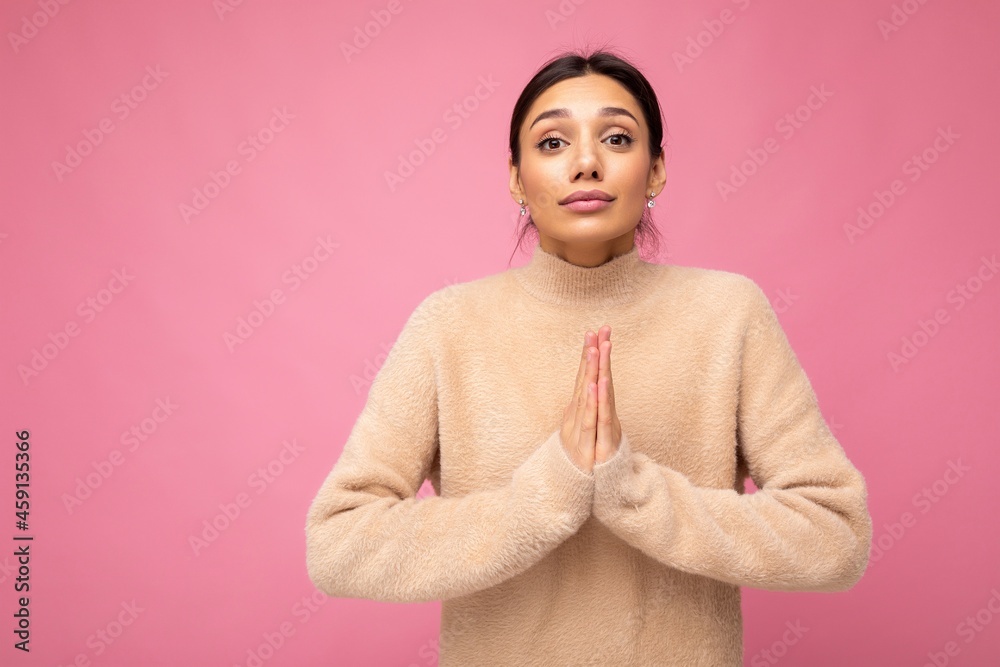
{"points": [[626, 139], [546, 140]]}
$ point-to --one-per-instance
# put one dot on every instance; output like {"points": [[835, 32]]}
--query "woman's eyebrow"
{"points": [[566, 113]]}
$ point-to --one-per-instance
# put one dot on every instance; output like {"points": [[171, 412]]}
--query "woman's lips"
{"points": [[587, 205]]}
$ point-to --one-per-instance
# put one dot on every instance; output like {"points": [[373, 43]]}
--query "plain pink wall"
{"points": [[117, 115]]}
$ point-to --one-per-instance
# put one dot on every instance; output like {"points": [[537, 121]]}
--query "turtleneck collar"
{"points": [[620, 280]]}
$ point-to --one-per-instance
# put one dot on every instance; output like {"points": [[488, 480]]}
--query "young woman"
{"points": [[589, 513]]}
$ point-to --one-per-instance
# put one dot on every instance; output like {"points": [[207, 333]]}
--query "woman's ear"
{"points": [[516, 191], [657, 175]]}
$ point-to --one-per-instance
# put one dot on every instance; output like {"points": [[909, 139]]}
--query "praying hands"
{"points": [[591, 431]]}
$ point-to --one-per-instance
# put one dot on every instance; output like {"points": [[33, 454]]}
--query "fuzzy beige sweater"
{"points": [[639, 563]]}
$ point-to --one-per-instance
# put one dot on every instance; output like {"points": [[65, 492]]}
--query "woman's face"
{"points": [[585, 133]]}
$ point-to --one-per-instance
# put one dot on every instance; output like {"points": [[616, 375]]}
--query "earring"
{"points": [[651, 203], [521, 202]]}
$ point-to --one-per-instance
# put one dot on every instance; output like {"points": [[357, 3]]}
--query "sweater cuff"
{"points": [[556, 482], [611, 481]]}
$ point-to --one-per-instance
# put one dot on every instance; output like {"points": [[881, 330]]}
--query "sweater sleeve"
{"points": [[807, 528], [369, 536]]}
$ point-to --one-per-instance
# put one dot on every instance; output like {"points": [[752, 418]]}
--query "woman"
{"points": [[597, 520]]}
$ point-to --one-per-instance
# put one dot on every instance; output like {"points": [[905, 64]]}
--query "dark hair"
{"points": [[575, 64]]}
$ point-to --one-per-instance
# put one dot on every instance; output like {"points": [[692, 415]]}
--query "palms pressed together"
{"points": [[591, 431]]}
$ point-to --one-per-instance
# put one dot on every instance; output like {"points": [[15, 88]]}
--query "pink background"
{"points": [[156, 98]]}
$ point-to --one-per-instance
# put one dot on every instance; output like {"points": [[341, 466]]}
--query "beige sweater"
{"points": [[639, 563]]}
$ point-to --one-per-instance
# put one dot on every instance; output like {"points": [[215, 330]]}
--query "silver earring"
{"points": [[521, 202], [651, 203]]}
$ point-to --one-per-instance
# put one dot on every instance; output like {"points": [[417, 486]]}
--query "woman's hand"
{"points": [[579, 429], [609, 429], [591, 431]]}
